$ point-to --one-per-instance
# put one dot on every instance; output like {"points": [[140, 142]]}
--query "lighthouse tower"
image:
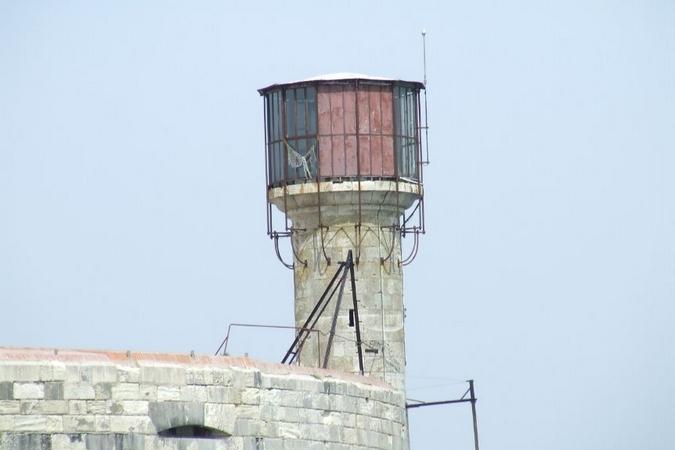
{"points": [[344, 168]]}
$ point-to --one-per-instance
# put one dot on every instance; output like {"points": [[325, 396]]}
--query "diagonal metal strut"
{"points": [[336, 284]]}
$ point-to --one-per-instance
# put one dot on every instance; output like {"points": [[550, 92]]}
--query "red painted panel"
{"points": [[323, 103], [387, 112], [351, 160], [364, 112], [338, 156], [350, 111], [364, 155], [337, 111], [325, 158], [388, 156], [375, 111], [338, 124], [376, 155]]}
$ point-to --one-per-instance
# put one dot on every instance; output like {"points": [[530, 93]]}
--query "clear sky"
{"points": [[132, 208]]}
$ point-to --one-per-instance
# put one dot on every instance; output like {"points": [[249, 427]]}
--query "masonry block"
{"points": [[256, 405], [125, 391], [53, 390], [79, 424], [6, 390], [78, 390]]}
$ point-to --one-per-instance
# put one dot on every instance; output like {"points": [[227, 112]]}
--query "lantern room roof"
{"points": [[340, 77], [345, 76]]}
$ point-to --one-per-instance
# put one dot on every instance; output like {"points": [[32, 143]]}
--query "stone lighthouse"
{"points": [[344, 173]]}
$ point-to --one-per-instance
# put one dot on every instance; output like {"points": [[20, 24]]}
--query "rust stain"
{"points": [[337, 131], [43, 355]]}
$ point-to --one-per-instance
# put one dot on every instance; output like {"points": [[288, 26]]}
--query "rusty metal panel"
{"points": [[337, 111], [375, 111], [364, 155], [325, 157], [338, 107], [388, 156], [323, 105], [387, 112], [338, 156], [376, 155], [350, 111], [351, 158], [388, 166], [364, 112]]}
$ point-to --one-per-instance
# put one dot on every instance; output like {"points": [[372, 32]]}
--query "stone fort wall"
{"points": [[78, 400]]}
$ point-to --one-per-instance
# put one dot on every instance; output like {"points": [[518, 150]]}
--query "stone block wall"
{"points": [[78, 400]]}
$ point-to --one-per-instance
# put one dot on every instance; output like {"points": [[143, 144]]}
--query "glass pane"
{"points": [[405, 129], [311, 111], [290, 112], [301, 110], [291, 119], [278, 162], [312, 158], [302, 161], [277, 116], [411, 113]]}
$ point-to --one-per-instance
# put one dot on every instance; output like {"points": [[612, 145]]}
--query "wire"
{"points": [[433, 386]]}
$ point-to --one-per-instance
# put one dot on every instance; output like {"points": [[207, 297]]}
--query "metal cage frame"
{"points": [[410, 224]]}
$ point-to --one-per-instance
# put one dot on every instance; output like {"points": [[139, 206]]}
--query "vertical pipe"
{"points": [[357, 324], [267, 165], [473, 413], [358, 168], [284, 134]]}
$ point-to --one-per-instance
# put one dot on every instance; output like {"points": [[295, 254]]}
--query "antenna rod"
{"points": [[424, 54], [426, 120]]}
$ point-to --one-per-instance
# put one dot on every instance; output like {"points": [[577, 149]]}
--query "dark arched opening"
{"points": [[195, 431]]}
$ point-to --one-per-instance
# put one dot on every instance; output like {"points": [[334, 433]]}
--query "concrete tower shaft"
{"points": [[320, 242], [343, 161]]}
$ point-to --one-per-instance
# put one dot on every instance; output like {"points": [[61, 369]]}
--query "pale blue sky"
{"points": [[132, 210]]}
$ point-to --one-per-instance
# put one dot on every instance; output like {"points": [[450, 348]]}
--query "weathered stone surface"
{"points": [[126, 391], [25, 441], [131, 441], [43, 424], [10, 406], [77, 407], [262, 408], [128, 374], [152, 374], [168, 393], [79, 424], [20, 371], [103, 391], [361, 229], [131, 424], [53, 390], [78, 390], [6, 423], [193, 393], [130, 407], [165, 415], [6, 390], [148, 392], [44, 407], [221, 417], [71, 441], [29, 390]]}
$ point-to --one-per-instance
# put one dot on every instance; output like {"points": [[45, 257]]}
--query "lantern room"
{"points": [[342, 127]]}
